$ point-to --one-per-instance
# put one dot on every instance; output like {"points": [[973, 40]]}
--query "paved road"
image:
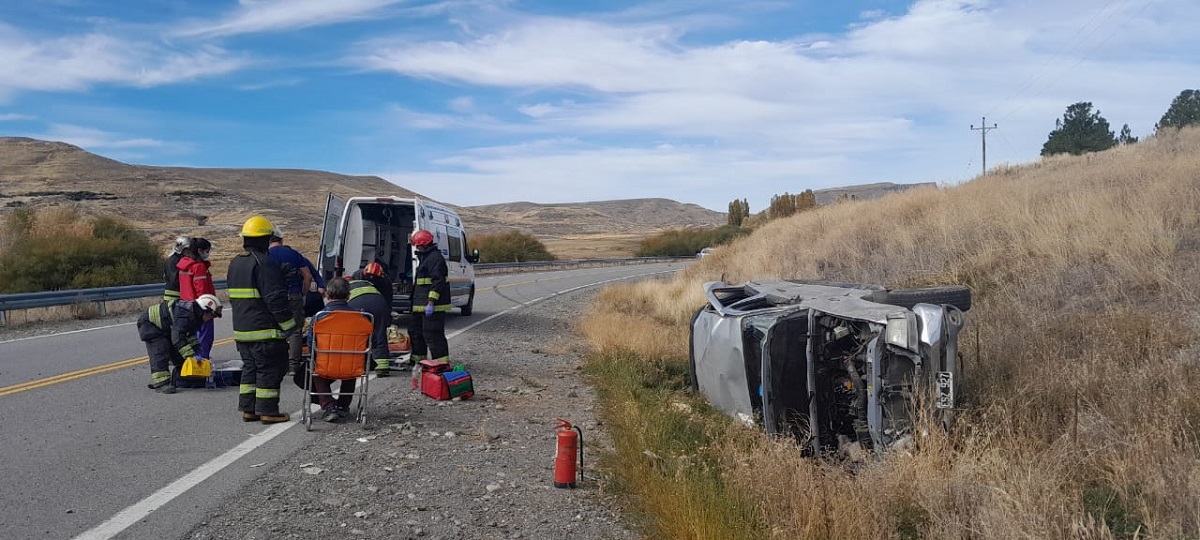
{"points": [[90, 452]]}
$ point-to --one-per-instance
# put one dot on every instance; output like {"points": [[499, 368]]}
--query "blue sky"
{"points": [[487, 101]]}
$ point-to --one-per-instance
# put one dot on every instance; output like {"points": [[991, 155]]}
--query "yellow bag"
{"points": [[196, 368]]}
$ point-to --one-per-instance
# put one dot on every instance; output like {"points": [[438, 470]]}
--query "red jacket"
{"points": [[194, 279]]}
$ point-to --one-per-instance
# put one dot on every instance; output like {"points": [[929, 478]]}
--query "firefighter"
{"points": [[379, 278], [182, 249], [430, 301], [169, 330], [365, 297], [262, 322]]}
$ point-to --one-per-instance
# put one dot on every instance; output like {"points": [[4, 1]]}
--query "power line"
{"points": [[1069, 45], [983, 129]]}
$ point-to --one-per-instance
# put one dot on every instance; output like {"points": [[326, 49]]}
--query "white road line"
{"points": [[549, 296], [139, 510], [65, 333]]}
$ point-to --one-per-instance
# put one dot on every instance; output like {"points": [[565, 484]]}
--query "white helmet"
{"points": [[210, 303], [182, 242]]}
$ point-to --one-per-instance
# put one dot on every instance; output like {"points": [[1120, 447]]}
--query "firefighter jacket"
{"points": [[359, 287], [364, 297], [175, 320], [194, 278], [261, 311], [383, 284], [171, 277], [430, 282]]}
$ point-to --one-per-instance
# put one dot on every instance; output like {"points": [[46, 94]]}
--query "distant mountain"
{"points": [[166, 201], [629, 215], [864, 191]]}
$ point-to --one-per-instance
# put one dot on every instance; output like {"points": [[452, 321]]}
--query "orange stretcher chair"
{"points": [[341, 349]]}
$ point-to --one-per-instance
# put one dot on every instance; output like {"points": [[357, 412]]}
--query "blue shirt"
{"points": [[290, 261]]}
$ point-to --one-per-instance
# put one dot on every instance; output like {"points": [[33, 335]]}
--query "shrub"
{"points": [[512, 246], [687, 242], [62, 249]]}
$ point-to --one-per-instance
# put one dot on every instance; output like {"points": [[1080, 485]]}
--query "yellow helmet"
{"points": [[257, 226]]}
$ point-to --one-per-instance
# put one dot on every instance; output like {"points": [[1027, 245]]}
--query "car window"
{"points": [[455, 244]]}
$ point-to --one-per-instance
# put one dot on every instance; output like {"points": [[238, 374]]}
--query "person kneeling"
{"points": [[169, 330]]}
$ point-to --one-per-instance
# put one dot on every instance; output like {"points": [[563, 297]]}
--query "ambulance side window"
{"points": [[455, 244]]}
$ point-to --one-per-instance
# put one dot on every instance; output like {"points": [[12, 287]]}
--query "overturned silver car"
{"points": [[841, 367]]}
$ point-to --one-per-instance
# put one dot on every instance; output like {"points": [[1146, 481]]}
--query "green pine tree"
{"points": [[1184, 111], [1079, 131]]}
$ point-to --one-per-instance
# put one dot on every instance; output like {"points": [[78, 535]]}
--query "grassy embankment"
{"points": [[1081, 416]]}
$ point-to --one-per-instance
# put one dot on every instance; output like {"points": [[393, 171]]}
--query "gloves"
{"points": [[428, 310]]}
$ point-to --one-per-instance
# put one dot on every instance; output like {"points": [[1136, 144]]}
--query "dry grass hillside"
{"points": [[165, 201], [1081, 417]]}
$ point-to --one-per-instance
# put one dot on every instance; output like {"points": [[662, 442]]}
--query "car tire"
{"points": [[958, 296], [466, 309]]}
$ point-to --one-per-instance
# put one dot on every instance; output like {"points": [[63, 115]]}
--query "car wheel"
{"points": [[466, 310], [958, 296]]}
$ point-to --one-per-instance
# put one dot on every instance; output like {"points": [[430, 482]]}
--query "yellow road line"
{"points": [[70, 376]]}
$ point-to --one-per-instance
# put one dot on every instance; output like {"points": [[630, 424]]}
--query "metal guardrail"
{"points": [[125, 292]]}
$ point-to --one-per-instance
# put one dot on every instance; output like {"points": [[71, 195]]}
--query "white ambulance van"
{"points": [[360, 230]]}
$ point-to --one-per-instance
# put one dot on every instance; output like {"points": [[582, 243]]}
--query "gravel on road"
{"points": [[425, 469]]}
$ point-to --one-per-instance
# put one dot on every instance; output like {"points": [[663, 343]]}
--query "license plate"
{"points": [[945, 390]]}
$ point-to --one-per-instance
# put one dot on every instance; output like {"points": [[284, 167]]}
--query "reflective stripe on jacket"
{"points": [[175, 320], [359, 287], [171, 277], [194, 278], [258, 298], [430, 282]]}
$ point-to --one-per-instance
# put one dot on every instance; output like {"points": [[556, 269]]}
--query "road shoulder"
{"points": [[480, 468]]}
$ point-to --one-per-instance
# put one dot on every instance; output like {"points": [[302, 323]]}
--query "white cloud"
{"points": [[253, 16], [890, 98], [462, 104], [567, 171], [14, 117], [72, 63], [277, 83], [96, 139]]}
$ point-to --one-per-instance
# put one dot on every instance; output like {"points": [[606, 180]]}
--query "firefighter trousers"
{"points": [[264, 364], [164, 361], [428, 335]]}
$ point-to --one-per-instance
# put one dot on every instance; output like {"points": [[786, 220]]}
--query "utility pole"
{"points": [[983, 129]]}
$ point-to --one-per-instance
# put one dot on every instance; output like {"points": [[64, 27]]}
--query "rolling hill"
{"points": [[213, 202]]}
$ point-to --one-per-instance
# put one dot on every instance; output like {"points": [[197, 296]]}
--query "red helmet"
{"points": [[373, 269], [422, 237]]}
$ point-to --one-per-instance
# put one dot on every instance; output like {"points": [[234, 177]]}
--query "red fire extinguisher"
{"points": [[570, 443]]}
